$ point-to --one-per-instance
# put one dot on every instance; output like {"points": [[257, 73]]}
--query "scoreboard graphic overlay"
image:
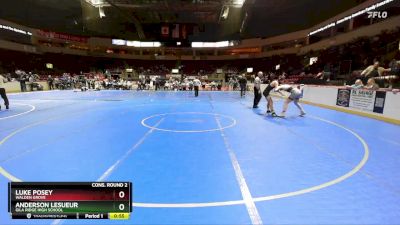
{"points": [[70, 200]]}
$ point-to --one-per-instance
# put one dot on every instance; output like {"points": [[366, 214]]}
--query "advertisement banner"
{"points": [[361, 99], [61, 36], [165, 30], [380, 99], [176, 31], [343, 97]]}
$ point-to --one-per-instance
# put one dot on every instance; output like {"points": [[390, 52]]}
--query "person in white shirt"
{"points": [[3, 93], [257, 90], [295, 95], [196, 85]]}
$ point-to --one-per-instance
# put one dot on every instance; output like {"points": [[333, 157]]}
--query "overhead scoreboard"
{"points": [[70, 200]]}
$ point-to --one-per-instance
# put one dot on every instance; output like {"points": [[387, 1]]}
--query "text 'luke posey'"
{"points": [[32, 194]]}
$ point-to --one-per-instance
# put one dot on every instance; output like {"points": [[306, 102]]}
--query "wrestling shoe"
{"points": [[302, 114]]}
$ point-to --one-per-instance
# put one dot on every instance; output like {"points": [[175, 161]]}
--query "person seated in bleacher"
{"points": [[32, 82], [371, 84], [213, 86], [319, 75], [357, 85]]}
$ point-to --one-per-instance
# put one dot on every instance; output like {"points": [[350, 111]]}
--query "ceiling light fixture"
{"points": [[101, 12]]}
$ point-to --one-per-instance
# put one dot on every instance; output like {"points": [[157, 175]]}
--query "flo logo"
{"points": [[377, 14]]}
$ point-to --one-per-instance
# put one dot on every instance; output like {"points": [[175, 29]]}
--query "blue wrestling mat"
{"points": [[206, 160]]}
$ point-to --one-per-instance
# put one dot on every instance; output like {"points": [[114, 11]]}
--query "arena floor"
{"points": [[206, 160]]}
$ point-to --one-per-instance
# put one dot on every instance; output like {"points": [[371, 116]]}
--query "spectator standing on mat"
{"points": [[3, 93], [242, 84], [22, 80], [196, 85], [50, 81], [257, 89]]}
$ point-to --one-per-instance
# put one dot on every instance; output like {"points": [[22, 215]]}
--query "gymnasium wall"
{"points": [[381, 105], [327, 97], [14, 86]]}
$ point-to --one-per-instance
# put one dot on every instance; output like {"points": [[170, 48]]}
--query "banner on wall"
{"points": [[176, 31], [165, 30], [61, 36], [361, 99], [343, 97]]}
